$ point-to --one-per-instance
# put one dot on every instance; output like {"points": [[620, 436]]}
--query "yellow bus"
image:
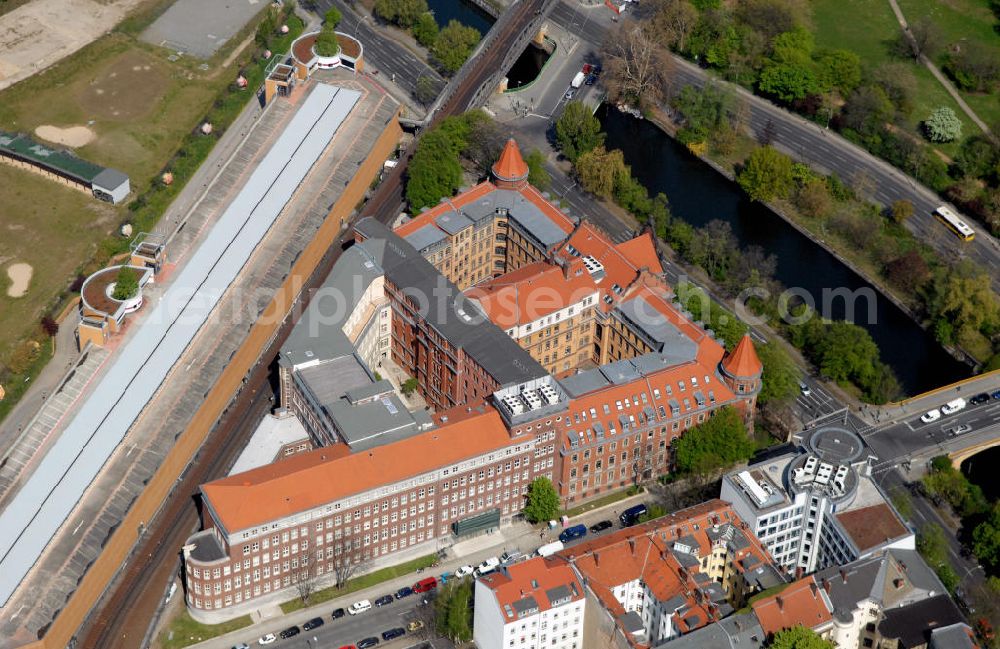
{"points": [[947, 216]]}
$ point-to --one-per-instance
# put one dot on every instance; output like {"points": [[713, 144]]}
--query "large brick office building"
{"points": [[416, 482]]}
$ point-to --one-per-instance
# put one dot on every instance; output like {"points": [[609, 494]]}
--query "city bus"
{"points": [[947, 216]]}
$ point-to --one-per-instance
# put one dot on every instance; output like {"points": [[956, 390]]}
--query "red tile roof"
{"points": [[531, 292], [534, 578], [511, 166], [799, 603], [315, 478], [870, 527], [743, 361]]}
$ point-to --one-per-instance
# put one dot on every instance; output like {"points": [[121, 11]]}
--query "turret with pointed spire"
{"points": [[741, 370], [510, 171]]}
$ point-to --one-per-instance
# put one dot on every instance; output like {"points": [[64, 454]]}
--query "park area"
{"points": [[117, 102]]}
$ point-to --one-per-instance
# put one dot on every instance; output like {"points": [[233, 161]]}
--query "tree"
{"points": [[49, 326], [943, 125], [306, 582], [974, 67], [922, 39], [909, 271], [780, 379], [674, 21], [126, 284], [434, 171], [718, 442], [867, 109], [425, 29], [409, 386], [600, 171], [977, 157], [638, 68], [813, 198], [537, 175], [767, 174], [771, 17], [345, 563], [425, 90], [838, 69], [986, 540], [901, 210], [453, 614], [543, 502], [706, 110], [331, 19], [453, 45], [967, 301], [578, 130], [898, 83], [788, 81], [266, 28], [400, 12], [327, 43], [799, 637]]}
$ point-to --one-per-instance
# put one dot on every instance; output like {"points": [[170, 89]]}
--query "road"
{"points": [[386, 55], [819, 147]]}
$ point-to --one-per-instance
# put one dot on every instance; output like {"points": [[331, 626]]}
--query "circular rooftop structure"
{"points": [[304, 52], [836, 445], [97, 291]]}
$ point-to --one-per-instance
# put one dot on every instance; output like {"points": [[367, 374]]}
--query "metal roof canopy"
{"points": [[42, 505]]}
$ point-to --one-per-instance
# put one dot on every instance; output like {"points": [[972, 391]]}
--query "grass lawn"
{"points": [[610, 498], [362, 582], [183, 630], [51, 227], [959, 20]]}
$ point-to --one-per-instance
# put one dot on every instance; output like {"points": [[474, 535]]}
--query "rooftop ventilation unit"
{"points": [[592, 265], [513, 404], [534, 401], [549, 394]]}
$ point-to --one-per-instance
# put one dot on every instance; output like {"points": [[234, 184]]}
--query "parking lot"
{"points": [[200, 28]]}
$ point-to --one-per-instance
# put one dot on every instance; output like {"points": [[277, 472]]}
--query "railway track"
{"points": [[123, 618]]}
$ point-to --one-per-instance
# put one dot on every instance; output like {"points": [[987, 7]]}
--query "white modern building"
{"points": [[816, 506], [537, 604]]}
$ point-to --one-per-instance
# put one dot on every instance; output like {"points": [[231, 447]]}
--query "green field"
{"points": [[836, 26]]}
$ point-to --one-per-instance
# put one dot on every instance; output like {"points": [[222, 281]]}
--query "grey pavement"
{"points": [[200, 28], [522, 536]]}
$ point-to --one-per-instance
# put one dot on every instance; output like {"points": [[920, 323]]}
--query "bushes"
{"points": [[454, 44], [719, 442]]}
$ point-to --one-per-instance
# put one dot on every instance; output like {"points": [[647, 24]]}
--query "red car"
{"points": [[425, 585]]}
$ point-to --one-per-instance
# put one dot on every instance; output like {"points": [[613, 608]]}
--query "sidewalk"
{"points": [[921, 403], [521, 536]]}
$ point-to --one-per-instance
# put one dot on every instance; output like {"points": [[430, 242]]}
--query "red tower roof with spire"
{"points": [[743, 362], [511, 166]]}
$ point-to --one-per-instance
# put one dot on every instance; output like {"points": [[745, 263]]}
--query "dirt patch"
{"points": [[40, 33], [126, 89], [72, 136], [20, 279]]}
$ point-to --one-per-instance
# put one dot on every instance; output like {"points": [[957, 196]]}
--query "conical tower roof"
{"points": [[511, 167], [742, 362]]}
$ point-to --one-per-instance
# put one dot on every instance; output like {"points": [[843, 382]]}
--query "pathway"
{"points": [[943, 80]]}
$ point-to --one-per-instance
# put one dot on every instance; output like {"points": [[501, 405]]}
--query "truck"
{"points": [[550, 548], [487, 566], [575, 532], [630, 516], [578, 80]]}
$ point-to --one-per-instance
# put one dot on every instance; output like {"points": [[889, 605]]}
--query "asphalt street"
{"points": [[820, 147], [351, 628], [382, 53]]}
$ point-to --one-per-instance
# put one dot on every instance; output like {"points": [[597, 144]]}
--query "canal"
{"points": [[464, 12], [698, 194], [981, 470]]}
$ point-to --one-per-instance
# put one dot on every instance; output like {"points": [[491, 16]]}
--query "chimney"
{"points": [[843, 575], [631, 545], [826, 586], [597, 557], [898, 582], [780, 602], [812, 587]]}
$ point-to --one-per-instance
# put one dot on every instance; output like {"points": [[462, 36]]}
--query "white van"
{"points": [[359, 607], [550, 548], [488, 566], [953, 406]]}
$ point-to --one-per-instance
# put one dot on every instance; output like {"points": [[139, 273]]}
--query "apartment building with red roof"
{"points": [[536, 604], [672, 575]]}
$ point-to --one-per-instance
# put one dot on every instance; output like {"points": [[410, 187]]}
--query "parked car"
{"points": [[385, 600], [953, 406], [995, 394], [631, 516], [960, 429], [591, 79], [241, 645], [982, 397], [392, 634], [575, 532], [337, 613], [488, 566], [805, 389], [425, 585], [359, 607], [570, 93], [600, 526], [414, 626], [550, 548], [267, 639], [314, 623], [510, 556], [367, 643], [290, 632], [930, 415], [348, 646], [963, 601], [405, 591]]}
